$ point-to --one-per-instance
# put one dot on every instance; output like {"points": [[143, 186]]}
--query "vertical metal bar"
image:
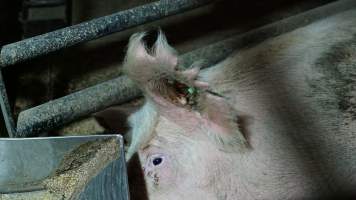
{"points": [[5, 108]]}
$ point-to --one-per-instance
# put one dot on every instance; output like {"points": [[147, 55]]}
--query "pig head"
{"points": [[177, 95], [273, 121], [181, 122]]}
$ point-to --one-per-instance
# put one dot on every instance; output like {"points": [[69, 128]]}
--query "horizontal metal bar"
{"points": [[66, 109], [216, 52], [58, 112], [69, 36]]}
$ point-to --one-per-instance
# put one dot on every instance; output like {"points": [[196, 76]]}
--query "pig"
{"points": [[272, 121]]}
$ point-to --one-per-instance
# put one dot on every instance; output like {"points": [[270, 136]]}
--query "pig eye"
{"points": [[157, 161]]}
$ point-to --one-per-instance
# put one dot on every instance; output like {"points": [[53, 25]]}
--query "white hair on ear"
{"points": [[164, 52], [143, 123], [142, 65], [137, 58]]}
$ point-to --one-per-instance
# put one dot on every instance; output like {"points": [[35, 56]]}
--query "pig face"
{"points": [[185, 133], [181, 164]]}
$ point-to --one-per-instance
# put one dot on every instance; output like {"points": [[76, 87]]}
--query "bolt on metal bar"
{"points": [[63, 110], [99, 27]]}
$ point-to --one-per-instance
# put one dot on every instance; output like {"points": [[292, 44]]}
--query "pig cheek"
{"points": [[160, 176]]}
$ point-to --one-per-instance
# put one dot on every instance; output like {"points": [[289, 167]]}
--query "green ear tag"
{"points": [[191, 90]]}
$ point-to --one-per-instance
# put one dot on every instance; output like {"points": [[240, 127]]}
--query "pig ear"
{"points": [[220, 120], [164, 53], [137, 59], [143, 65]]}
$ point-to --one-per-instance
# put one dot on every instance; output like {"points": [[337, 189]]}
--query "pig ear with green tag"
{"points": [[179, 95]]}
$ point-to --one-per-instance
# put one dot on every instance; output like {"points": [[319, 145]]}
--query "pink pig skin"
{"points": [[274, 121]]}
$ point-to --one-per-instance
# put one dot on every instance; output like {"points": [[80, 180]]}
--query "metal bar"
{"points": [[216, 52], [58, 112], [5, 108], [66, 109], [62, 38]]}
